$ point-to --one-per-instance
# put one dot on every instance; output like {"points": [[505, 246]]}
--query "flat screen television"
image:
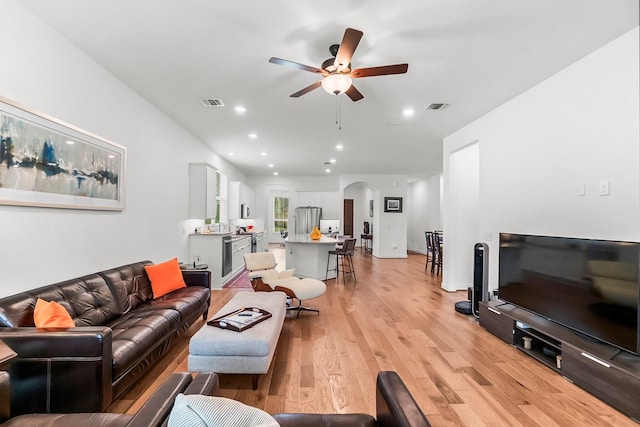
{"points": [[590, 286]]}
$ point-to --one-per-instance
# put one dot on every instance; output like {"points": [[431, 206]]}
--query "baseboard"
{"points": [[391, 256]]}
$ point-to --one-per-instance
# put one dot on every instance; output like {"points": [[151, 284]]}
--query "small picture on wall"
{"points": [[370, 208], [393, 204]]}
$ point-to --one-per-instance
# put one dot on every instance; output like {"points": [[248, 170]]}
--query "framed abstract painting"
{"points": [[46, 162]]}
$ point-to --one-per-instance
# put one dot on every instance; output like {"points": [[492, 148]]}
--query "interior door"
{"points": [[348, 217]]}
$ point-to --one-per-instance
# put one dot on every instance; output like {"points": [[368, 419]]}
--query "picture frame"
{"points": [[393, 204], [46, 162], [370, 208]]}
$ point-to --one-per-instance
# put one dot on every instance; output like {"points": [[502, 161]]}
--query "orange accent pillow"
{"points": [[51, 315], [165, 277]]}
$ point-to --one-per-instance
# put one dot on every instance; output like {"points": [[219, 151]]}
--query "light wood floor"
{"points": [[396, 317]]}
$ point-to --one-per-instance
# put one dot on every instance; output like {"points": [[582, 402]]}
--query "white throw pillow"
{"points": [[196, 410]]}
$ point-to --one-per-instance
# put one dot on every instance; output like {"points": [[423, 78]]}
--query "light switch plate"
{"points": [[582, 189], [604, 188]]}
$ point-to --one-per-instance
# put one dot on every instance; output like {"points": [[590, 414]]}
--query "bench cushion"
{"points": [[213, 349]]}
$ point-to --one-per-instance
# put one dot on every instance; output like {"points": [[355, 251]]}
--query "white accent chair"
{"points": [[265, 278]]}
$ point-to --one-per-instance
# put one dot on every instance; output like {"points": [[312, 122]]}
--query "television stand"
{"points": [[603, 370]]}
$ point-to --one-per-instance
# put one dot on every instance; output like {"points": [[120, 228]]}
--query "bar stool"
{"points": [[345, 253]]}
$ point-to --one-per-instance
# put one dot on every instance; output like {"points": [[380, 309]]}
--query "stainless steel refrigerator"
{"points": [[306, 218]]}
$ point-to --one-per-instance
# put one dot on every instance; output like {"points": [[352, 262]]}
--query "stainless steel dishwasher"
{"points": [[227, 255]]}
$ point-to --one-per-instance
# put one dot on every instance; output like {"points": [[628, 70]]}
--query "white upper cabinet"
{"points": [[327, 200], [204, 185], [240, 195]]}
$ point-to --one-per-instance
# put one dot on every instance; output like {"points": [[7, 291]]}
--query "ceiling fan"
{"points": [[336, 72]]}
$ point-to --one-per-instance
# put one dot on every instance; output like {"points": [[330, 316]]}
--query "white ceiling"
{"points": [[472, 54]]}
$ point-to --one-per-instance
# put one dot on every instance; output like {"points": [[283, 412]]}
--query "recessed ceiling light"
{"points": [[275, 173], [70, 142], [231, 154], [408, 112], [339, 147], [327, 170], [263, 154], [240, 109], [270, 165], [253, 135]]}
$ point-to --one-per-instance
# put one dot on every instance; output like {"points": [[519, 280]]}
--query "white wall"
{"points": [[389, 229], [423, 209], [462, 192], [42, 71], [581, 126], [360, 193]]}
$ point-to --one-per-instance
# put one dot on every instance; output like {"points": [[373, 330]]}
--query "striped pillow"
{"points": [[196, 410]]}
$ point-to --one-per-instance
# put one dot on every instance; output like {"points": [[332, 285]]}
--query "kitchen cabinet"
{"points": [[240, 195], [327, 200], [203, 185], [262, 245], [209, 248], [241, 246]]}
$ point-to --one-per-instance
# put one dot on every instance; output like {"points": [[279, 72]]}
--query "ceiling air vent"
{"points": [[208, 102], [436, 106]]}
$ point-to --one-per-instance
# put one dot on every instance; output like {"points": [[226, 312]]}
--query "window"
{"points": [[280, 214]]}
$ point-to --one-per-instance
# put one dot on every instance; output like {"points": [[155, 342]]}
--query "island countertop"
{"points": [[305, 238]]}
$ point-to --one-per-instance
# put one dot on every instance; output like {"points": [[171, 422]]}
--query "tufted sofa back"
{"points": [[88, 299], [130, 284]]}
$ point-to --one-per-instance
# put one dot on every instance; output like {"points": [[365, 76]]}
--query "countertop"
{"points": [[212, 233], [305, 238]]}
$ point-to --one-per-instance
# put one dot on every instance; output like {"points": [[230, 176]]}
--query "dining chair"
{"points": [[366, 238], [429, 238], [437, 251]]}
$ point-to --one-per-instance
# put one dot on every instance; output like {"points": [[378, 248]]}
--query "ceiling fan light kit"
{"points": [[336, 83], [337, 72]]}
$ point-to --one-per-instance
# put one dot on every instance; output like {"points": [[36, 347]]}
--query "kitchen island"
{"points": [[309, 257]]}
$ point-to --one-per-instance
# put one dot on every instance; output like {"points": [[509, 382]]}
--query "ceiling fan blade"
{"points": [[307, 89], [348, 45], [302, 67], [354, 94], [379, 71]]}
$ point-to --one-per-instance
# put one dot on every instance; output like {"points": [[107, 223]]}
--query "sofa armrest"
{"points": [[4, 396], [197, 278], [60, 370], [155, 412], [395, 406]]}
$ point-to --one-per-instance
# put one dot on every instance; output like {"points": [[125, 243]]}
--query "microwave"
{"points": [[245, 212]]}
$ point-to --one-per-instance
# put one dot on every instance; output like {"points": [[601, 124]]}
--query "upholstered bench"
{"points": [[213, 349]]}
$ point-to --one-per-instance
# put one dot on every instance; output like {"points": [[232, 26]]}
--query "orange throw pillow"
{"points": [[165, 277], [51, 315]]}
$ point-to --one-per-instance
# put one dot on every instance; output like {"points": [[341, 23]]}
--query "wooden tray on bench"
{"points": [[240, 320]]}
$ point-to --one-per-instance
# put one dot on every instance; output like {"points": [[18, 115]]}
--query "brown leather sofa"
{"points": [[120, 333], [395, 407], [154, 413]]}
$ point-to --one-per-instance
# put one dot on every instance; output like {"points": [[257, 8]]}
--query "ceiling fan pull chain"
{"points": [[338, 112]]}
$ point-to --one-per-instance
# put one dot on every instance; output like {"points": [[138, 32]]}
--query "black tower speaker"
{"points": [[480, 274]]}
